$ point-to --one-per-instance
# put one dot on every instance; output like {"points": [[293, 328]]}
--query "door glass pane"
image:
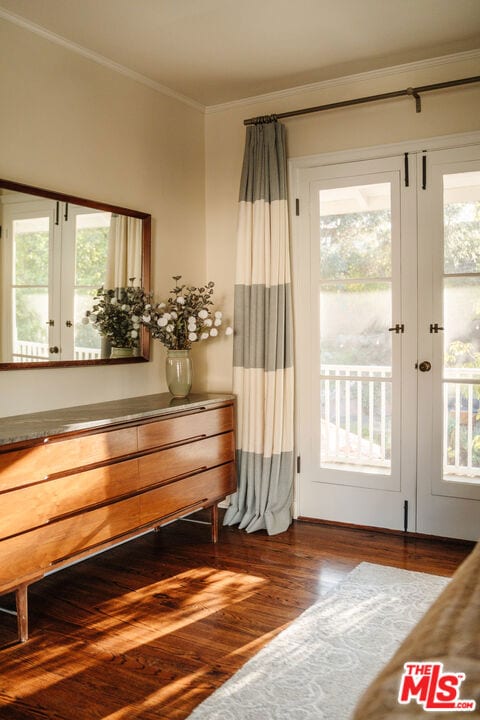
{"points": [[87, 339], [355, 232], [30, 328], [31, 244], [91, 246], [356, 424], [462, 222], [91, 251], [461, 444], [461, 315], [354, 322], [31, 239], [355, 315]]}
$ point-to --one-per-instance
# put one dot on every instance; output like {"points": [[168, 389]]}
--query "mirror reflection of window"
{"points": [[30, 289], [54, 256], [54, 259], [91, 251]]}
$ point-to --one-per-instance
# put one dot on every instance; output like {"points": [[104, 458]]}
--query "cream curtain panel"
{"points": [[263, 342], [124, 252]]}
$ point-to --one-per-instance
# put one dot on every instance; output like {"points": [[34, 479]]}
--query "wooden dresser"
{"points": [[78, 480]]}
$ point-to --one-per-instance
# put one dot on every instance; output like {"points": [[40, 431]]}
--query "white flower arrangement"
{"points": [[185, 318]]}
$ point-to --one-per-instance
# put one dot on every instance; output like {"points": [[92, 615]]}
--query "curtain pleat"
{"points": [[263, 341]]}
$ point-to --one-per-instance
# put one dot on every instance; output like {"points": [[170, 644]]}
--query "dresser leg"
{"points": [[21, 595], [214, 523]]}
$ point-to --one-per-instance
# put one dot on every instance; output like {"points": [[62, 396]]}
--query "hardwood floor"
{"points": [[149, 629]]}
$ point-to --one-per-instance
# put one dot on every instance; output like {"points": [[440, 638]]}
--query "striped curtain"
{"points": [[263, 341]]}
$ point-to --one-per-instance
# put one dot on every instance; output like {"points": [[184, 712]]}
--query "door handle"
{"points": [[425, 366], [53, 350]]}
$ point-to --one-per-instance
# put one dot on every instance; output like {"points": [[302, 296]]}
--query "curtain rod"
{"points": [[413, 92]]}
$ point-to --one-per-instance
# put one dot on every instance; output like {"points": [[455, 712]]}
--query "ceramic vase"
{"points": [[179, 372], [121, 352]]}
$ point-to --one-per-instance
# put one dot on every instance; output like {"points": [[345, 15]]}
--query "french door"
{"points": [[448, 486], [388, 381]]}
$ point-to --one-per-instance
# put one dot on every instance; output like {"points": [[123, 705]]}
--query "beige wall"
{"points": [[73, 125], [70, 124], [444, 112]]}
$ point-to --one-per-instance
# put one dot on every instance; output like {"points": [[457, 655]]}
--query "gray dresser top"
{"points": [[20, 428]]}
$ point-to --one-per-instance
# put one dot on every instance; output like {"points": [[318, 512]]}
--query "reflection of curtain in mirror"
{"points": [[124, 252]]}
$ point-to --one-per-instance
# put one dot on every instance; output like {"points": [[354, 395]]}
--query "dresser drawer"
{"points": [[20, 556], [50, 499], [38, 549], [184, 428], [161, 466], [76, 452], [22, 467], [201, 489]]}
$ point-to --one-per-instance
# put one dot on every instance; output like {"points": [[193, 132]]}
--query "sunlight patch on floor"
{"points": [[166, 606], [172, 603]]}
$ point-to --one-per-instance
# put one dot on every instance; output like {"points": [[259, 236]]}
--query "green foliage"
{"points": [[29, 322], [462, 237], [462, 355], [31, 258], [91, 256], [356, 245], [117, 313]]}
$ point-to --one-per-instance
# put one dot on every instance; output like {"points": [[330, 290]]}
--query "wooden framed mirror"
{"points": [[56, 251]]}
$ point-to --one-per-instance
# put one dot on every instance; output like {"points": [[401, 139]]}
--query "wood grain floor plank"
{"points": [[151, 628]]}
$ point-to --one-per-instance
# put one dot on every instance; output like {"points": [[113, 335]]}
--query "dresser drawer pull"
{"points": [[194, 437], [199, 469]]}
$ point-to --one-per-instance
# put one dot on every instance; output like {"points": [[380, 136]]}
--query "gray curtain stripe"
{"points": [[269, 509], [264, 172], [263, 327]]}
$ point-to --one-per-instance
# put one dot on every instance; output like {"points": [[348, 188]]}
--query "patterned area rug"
{"points": [[318, 667]]}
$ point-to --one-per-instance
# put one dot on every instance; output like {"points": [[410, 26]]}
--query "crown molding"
{"points": [[100, 59], [345, 80], [251, 100]]}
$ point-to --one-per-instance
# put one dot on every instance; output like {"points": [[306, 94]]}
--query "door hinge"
{"points": [[405, 516], [298, 464], [424, 170], [297, 206]]}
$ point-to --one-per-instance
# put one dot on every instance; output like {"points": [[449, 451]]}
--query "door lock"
{"points": [[425, 366]]}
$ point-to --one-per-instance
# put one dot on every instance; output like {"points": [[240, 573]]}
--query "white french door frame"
{"points": [[365, 498], [301, 259]]}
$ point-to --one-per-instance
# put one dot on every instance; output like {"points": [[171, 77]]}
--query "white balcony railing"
{"points": [[26, 351], [461, 422], [356, 419]]}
